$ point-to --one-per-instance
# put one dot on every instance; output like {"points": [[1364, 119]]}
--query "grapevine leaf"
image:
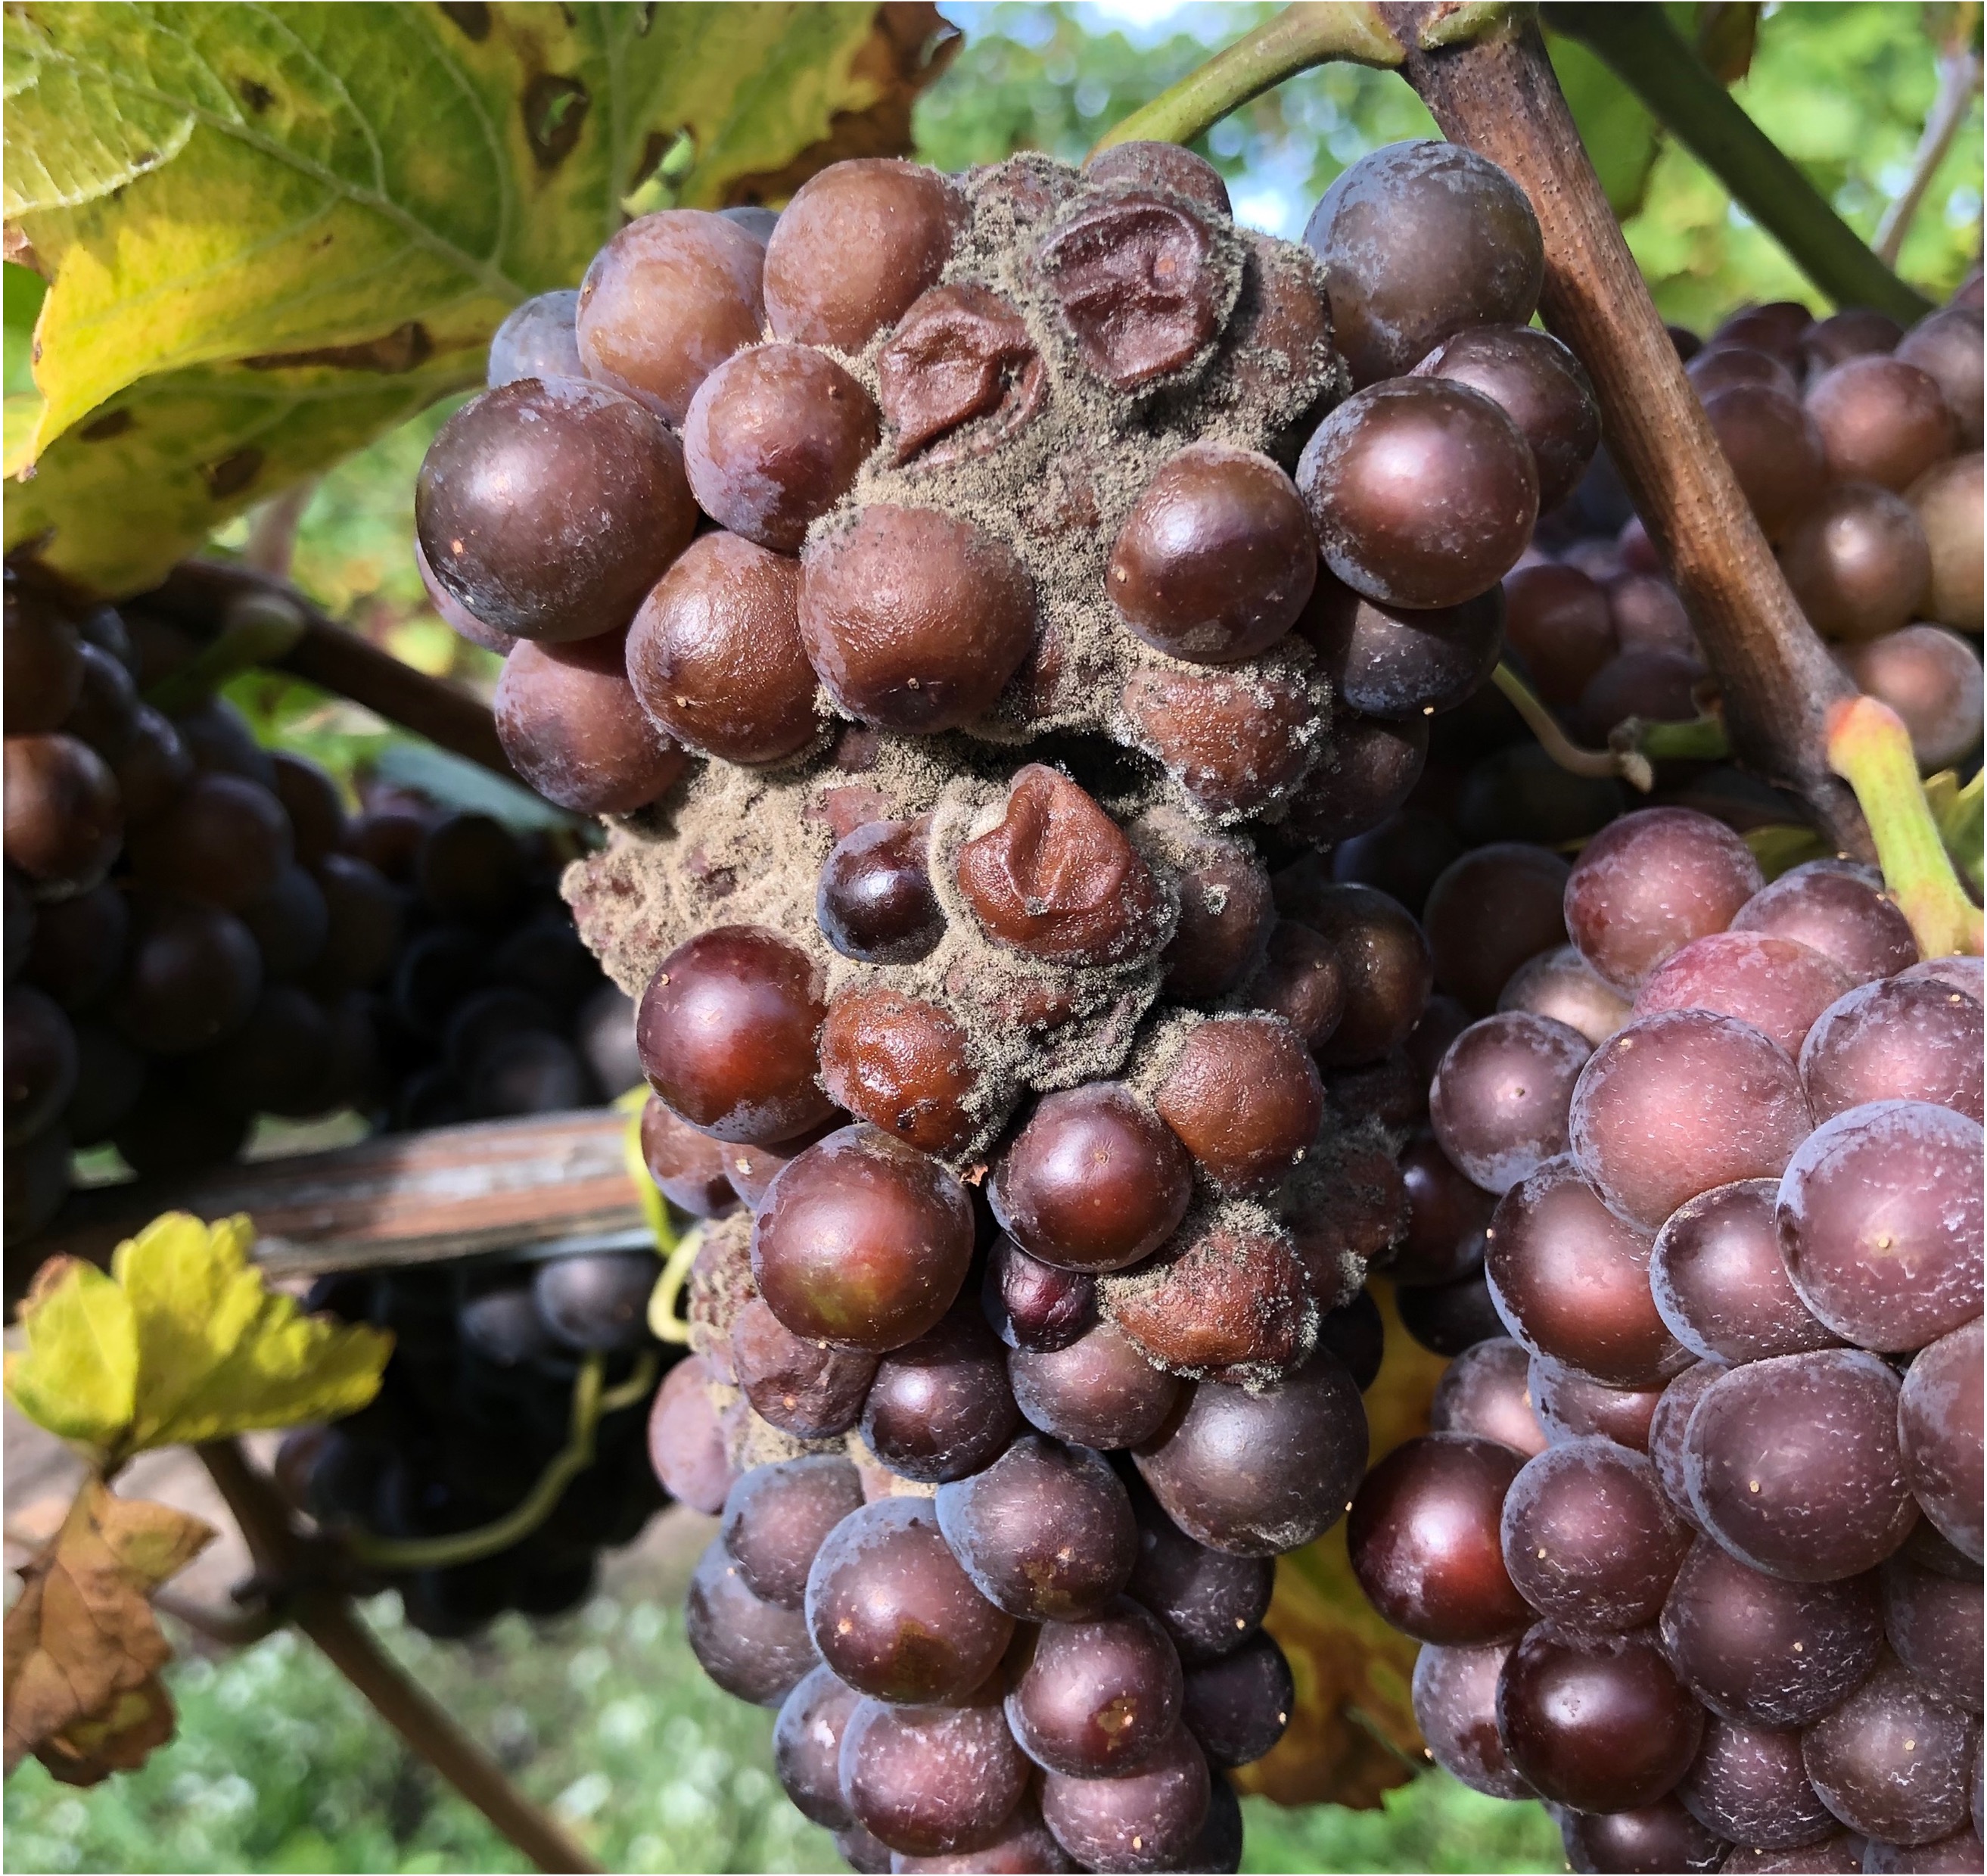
{"points": [[82, 1637], [1958, 812], [1352, 1735], [78, 1376], [359, 192], [219, 1353], [1622, 138]]}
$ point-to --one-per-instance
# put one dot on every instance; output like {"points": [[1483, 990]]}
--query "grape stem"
{"points": [[1959, 79], [1643, 49], [589, 1404], [1869, 747], [1312, 32], [1775, 679], [1634, 745], [283, 1560]]}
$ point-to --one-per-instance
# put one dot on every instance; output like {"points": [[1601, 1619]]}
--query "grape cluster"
{"points": [[1694, 1548], [1071, 584], [475, 1404], [198, 933], [1858, 445]]}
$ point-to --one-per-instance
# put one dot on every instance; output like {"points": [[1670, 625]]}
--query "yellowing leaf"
{"points": [[135, 1724], [1353, 1735], [82, 1637], [78, 1376], [341, 201], [218, 1353]]}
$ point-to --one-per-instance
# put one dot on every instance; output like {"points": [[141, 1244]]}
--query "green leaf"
{"points": [[291, 223], [1958, 812], [218, 1352], [78, 1376]]}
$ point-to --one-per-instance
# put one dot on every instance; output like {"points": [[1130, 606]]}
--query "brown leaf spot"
{"points": [[101, 428], [555, 109], [406, 347], [961, 353], [258, 96], [471, 18], [233, 474], [1133, 277]]}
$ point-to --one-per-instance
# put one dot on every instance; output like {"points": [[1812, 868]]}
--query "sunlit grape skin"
{"points": [[1096, 1697]]}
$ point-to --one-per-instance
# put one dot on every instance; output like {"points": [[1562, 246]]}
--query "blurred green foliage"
{"points": [[606, 1718]]}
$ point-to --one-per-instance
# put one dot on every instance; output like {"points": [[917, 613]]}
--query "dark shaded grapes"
{"points": [[1491, 910], [1447, 1318], [44, 662], [1588, 1538], [1749, 1785], [1938, 1425], [1680, 1102], [1208, 1601], [76, 947], [1384, 961], [1659, 1836], [1793, 1464], [290, 924], [940, 1407], [548, 509], [811, 1389], [1445, 1218], [1571, 1280], [1880, 1222], [43, 1063], [1423, 1536], [1257, 1474], [110, 1075], [1403, 857], [932, 1781], [1719, 1282], [64, 816], [1484, 1391], [1599, 1723], [1237, 1708], [1399, 662], [1226, 918], [572, 727], [599, 1300], [1367, 772], [1775, 449], [1419, 241], [1098, 1391], [1556, 620], [1035, 1305], [893, 1614], [874, 900], [1891, 1761], [276, 1063], [363, 926], [1932, 678], [1422, 491], [1094, 1181], [1217, 558], [1645, 886], [225, 840], [191, 976], [777, 1517], [726, 1031], [915, 620]]}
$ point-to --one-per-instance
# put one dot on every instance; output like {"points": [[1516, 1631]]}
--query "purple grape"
{"points": [[1570, 1406], [1486, 1391], [932, 1781], [1562, 985], [1657, 1837], [1959, 1851], [1718, 1281], [1891, 1761], [1900, 1039], [1776, 985], [1648, 884], [1678, 1103], [1938, 1425], [1880, 1217], [1764, 1652], [1837, 908], [1239, 1707], [1794, 1464], [1840, 1855], [753, 1649], [1571, 1280], [1749, 1785], [1499, 1101], [1455, 1706], [1588, 1538], [1145, 1820], [807, 1746], [776, 1518], [1934, 1626], [1209, 1602], [1667, 1426]]}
